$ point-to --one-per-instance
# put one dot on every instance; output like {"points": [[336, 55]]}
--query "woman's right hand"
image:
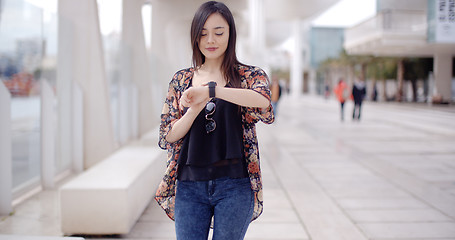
{"points": [[183, 125], [197, 108]]}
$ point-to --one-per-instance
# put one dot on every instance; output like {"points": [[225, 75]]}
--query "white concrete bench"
{"points": [[109, 197]]}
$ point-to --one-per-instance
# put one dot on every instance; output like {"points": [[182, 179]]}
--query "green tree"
{"points": [[380, 69], [417, 68]]}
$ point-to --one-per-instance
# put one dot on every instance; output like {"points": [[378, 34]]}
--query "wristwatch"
{"points": [[212, 86]]}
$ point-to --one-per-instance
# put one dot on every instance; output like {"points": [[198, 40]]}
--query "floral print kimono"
{"points": [[251, 78]]}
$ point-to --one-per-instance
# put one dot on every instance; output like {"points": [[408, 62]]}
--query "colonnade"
{"points": [[85, 131], [144, 74]]}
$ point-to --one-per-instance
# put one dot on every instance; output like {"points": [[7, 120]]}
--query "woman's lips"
{"points": [[211, 49]]}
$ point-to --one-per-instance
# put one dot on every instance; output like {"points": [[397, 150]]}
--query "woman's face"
{"points": [[214, 38]]}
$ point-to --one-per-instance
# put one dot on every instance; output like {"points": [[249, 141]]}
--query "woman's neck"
{"points": [[212, 65]]}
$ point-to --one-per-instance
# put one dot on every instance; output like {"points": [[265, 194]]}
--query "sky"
{"points": [[109, 16], [49, 5], [346, 13]]}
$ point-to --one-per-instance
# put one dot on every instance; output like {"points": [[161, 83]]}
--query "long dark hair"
{"points": [[230, 62]]}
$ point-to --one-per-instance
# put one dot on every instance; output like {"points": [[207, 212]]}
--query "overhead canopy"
{"points": [[277, 14]]}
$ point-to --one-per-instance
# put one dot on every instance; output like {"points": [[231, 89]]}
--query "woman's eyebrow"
{"points": [[213, 28]]}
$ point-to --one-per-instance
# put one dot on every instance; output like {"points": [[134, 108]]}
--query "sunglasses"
{"points": [[209, 111]]}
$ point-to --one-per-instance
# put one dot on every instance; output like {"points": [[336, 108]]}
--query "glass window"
{"points": [[27, 55], [21, 47], [110, 15]]}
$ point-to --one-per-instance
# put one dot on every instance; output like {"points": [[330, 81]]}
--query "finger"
{"points": [[185, 94], [184, 102], [189, 94]]}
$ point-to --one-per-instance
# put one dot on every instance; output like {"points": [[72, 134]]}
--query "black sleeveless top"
{"points": [[208, 156]]}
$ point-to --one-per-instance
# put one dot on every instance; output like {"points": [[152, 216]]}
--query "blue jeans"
{"points": [[229, 201]]}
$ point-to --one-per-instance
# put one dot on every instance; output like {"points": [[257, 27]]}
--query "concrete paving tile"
{"points": [[327, 162], [345, 179], [398, 147], [435, 239], [302, 150], [281, 231], [29, 237], [436, 176], [318, 212], [31, 226], [278, 215], [419, 188], [331, 226], [310, 204], [360, 190], [322, 160], [270, 184], [152, 230], [408, 230], [398, 215], [451, 192], [40, 207], [381, 203], [114, 238], [335, 171], [389, 176], [153, 213], [273, 199]]}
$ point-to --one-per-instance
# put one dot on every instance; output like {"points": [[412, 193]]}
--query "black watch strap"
{"points": [[212, 86]]}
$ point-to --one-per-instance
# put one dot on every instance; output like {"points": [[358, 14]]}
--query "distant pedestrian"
{"points": [[375, 93], [358, 93], [326, 90], [275, 88], [342, 93]]}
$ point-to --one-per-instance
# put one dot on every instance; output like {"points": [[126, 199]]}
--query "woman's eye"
{"points": [[219, 34], [204, 34]]}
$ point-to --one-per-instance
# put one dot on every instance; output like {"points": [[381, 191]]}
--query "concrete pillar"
{"points": [[161, 72], [297, 60], [78, 128], [81, 55], [309, 80], [257, 34], [442, 67], [47, 136], [6, 175], [136, 67], [400, 79], [171, 44], [65, 78], [312, 82]]}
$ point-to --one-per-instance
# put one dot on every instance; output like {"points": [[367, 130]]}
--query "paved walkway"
{"points": [[389, 176]]}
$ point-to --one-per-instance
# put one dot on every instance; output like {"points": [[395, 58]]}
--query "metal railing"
{"points": [[403, 23]]}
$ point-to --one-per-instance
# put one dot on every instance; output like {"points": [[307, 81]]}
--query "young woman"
{"points": [[208, 128]]}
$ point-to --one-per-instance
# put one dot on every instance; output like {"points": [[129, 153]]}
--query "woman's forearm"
{"points": [[242, 97], [239, 96], [181, 127]]}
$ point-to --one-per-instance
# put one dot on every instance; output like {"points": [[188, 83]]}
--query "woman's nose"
{"points": [[210, 38]]}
